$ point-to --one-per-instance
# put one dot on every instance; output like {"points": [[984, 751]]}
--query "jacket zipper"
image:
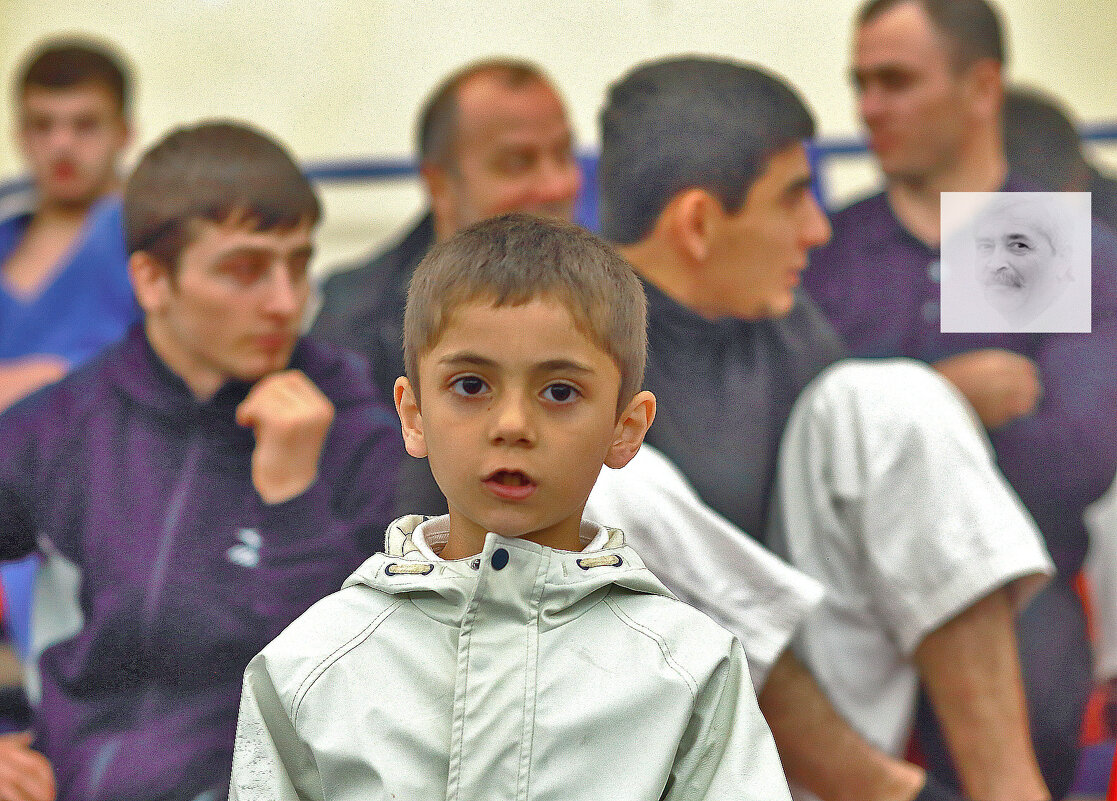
{"points": [[153, 597]]}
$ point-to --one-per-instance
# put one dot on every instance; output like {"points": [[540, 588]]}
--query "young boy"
{"points": [[510, 650]]}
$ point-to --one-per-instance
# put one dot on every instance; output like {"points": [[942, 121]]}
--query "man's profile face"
{"points": [[233, 307], [514, 151], [1017, 266], [911, 97], [763, 247], [72, 139]]}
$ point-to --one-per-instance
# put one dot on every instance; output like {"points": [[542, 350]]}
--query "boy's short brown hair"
{"points": [[515, 258], [216, 172]]}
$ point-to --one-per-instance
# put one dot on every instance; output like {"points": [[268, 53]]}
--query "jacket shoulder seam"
{"points": [[660, 642], [337, 653]]}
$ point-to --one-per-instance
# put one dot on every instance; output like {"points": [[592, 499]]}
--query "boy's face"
{"points": [[72, 140], [519, 412], [233, 307]]}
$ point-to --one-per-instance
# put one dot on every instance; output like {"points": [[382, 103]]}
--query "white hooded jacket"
{"points": [[521, 673]]}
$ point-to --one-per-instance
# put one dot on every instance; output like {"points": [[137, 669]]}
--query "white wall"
{"points": [[342, 78]]}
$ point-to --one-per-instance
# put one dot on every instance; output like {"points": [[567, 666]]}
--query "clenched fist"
{"points": [[999, 384], [291, 418], [25, 774]]}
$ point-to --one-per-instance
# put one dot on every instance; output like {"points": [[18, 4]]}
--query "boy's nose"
{"points": [[512, 422]]}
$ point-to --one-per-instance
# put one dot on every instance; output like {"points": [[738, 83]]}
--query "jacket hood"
{"points": [[145, 379], [527, 582]]}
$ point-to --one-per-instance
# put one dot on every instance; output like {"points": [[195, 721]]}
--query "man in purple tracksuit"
{"points": [[196, 487], [929, 76]]}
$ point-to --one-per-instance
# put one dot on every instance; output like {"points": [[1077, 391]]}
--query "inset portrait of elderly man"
{"points": [[1015, 261]]}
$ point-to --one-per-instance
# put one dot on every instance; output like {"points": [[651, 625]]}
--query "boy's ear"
{"points": [[151, 281], [411, 419], [632, 425]]}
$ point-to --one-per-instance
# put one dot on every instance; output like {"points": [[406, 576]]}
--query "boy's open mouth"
{"points": [[510, 484]]}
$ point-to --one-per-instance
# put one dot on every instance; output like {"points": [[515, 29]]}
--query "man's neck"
{"points": [[915, 201], [202, 381], [660, 266], [51, 234], [61, 216]]}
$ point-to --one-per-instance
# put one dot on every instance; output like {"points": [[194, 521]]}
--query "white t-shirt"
{"points": [[704, 559], [887, 493]]}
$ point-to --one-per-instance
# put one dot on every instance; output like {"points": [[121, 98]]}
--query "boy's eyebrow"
{"points": [[471, 359], [466, 357], [557, 365]]}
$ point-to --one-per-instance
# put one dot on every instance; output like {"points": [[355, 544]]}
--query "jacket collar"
{"points": [[145, 379], [529, 582]]}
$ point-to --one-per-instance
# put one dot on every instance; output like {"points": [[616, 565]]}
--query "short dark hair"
{"points": [[514, 258], [972, 27], [438, 118], [213, 171], [1041, 142], [70, 62], [679, 123]]}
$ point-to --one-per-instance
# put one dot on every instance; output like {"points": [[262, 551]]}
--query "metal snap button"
{"points": [[500, 559]]}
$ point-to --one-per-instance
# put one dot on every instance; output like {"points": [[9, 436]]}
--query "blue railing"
{"points": [[368, 170]]}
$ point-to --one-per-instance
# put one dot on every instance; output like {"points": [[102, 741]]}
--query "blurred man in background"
{"points": [[65, 291]]}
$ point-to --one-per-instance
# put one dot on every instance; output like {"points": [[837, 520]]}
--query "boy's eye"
{"points": [[469, 385], [560, 393]]}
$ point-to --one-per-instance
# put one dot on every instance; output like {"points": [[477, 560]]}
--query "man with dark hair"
{"points": [[493, 137], [882, 489], [197, 486], [1042, 144], [971, 28], [65, 292], [930, 92]]}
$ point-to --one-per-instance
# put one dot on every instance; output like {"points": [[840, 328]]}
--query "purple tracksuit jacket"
{"points": [[164, 570], [879, 286]]}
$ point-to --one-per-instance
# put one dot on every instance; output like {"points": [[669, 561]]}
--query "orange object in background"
{"points": [[1094, 729]]}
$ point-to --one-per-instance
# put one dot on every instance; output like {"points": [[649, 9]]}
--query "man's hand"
{"points": [[999, 384], [25, 774], [21, 377], [290, 417]]}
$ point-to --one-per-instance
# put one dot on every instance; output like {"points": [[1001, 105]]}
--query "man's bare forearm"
{"points": [[971, 669], [820, 750]]}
